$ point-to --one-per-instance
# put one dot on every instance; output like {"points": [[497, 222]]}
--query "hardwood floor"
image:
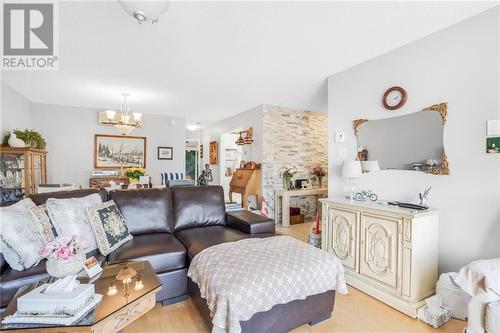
{"points": [[355, 312]]}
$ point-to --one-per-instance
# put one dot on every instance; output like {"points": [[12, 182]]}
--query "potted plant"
{"points": [[31, 138], [134, 174], [65, 255], [319, 172], [287, 174]]}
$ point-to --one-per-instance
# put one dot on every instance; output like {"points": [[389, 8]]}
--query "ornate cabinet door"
{"points": [[380, 249], [343, 233]]}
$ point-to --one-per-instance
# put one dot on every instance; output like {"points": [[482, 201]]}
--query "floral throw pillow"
{"points": [[20, 237], [69, 216], [109, 226], [41, 216]]}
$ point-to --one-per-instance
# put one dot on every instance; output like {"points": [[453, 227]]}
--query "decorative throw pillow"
{"points": [[20, 237], [110, 228], [47, 227], [69, 216]]}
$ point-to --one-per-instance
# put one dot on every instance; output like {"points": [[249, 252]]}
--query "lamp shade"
{"points": [[369, 166], [351, 169]]}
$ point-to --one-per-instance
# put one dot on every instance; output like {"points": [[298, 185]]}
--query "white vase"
{"points": [[63, 268], [15, 142]]}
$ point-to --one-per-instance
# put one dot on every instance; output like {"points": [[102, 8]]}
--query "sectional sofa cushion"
{"points": [[41, 198], [198, 239], [162, 250], [145, 210], [21, 237], [109, 226], [70, 217], [193, 207]]}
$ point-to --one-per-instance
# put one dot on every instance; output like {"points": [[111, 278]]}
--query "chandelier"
{"points": [[124, 120]]}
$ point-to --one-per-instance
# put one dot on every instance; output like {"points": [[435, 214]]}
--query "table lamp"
{"points": [[370, 166], [350, 170]]}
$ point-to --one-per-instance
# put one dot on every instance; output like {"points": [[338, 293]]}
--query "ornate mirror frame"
{"points": [[442, 109]]}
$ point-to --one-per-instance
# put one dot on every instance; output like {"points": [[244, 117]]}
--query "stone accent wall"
{"points": [[292, 137]]}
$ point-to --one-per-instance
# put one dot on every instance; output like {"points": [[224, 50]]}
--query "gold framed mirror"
{"points": [[407, 142]]}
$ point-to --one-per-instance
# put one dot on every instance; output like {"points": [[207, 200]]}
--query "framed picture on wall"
{"points": [[213, 152], [116, 151], [165, 153]]}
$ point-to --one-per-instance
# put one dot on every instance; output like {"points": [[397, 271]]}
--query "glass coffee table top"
{"points": [[110, 303]]}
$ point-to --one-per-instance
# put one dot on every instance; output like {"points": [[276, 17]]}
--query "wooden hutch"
{"points": [[21, 171]]}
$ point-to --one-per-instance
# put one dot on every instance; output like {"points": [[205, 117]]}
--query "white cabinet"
{"points": [[387, 252], [343, 234], [380, 250]]}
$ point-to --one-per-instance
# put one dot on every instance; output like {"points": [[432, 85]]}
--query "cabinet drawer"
{"points": [[343, 236], [380, 249]]}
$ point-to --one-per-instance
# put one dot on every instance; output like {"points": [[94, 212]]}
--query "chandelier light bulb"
{"points": [[110, 114], [137, 116]]}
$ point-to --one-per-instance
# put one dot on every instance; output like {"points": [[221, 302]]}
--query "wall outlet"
{"points": [[343, 153], [339, 136]]}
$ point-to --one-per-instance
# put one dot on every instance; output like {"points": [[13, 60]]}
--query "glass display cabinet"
{"points": [[21, 171]]}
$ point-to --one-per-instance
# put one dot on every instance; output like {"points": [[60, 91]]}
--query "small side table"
{"points": [[282, 201]]}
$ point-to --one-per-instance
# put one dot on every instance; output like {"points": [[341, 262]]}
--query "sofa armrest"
{"points": [[249, 222]]}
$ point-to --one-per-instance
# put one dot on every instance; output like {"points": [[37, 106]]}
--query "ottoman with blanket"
{"points": [[271, 284]]}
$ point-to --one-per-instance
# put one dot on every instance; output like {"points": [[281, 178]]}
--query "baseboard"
{"points": [[174, 300]]}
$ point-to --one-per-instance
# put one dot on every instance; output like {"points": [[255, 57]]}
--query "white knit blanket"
{"points": [[239, 279]]}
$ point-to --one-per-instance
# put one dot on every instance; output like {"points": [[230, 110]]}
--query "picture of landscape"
{"points": [[115, 151]]}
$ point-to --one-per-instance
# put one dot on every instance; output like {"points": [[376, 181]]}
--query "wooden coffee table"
{"points": [[113, 313]]}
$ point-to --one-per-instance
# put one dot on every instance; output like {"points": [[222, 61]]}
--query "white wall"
{"points": [[458, 65], [15, 112], [69, 132], [244, 120]]}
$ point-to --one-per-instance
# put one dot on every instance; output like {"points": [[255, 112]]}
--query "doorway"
{"points": [[192, 159], [230, 160]]}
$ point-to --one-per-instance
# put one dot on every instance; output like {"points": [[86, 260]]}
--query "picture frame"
{"points": [[119, 151], [213, 152], [165, 153]]}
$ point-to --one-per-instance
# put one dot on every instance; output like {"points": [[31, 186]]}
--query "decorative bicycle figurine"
{"points": [[365, 195]]}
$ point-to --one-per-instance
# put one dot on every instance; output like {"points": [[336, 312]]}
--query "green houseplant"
{"points": [[31, 138], [134, 174]]}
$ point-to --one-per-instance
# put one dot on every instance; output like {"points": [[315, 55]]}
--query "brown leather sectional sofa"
{"points": [[169, 228]]}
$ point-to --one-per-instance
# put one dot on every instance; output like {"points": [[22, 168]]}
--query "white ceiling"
{"points": [[209, 60]]}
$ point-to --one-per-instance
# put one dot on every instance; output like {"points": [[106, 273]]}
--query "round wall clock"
{"points": [[394, 98]]}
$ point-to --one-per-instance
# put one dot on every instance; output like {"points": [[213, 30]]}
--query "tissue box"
{"points": [[436, 318], [36, 303]]}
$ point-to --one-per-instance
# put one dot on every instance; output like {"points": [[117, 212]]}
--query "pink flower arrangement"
{"points": [[319, 171], [64, 247]]}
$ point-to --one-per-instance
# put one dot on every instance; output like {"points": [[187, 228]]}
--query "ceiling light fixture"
{"points": [[245, 138], [125, 123], [193, 127], [145, 11]]}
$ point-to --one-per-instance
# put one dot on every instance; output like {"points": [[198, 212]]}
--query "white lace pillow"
{"points": [[20, 236], [70, 216]]}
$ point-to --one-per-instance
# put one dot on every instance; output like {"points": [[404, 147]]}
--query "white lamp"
{"points": [[350, 170], [369, 166]]}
